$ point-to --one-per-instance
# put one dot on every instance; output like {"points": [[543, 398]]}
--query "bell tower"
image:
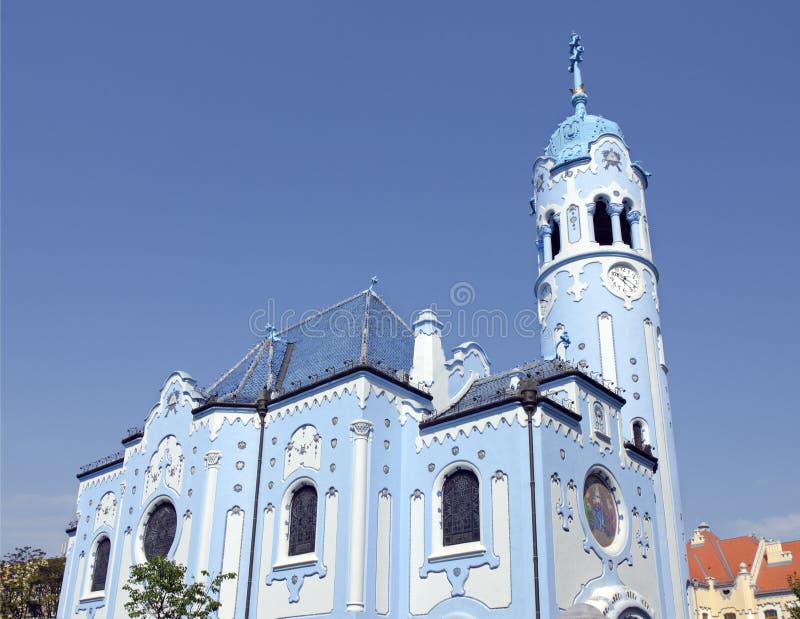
{"points": [[598, 283]]}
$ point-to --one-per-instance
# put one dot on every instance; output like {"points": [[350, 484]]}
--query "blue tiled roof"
{"points": [[496, 388], [361, 330]]}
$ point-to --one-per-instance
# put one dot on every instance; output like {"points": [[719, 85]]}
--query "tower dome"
{"points": [[571, 141], [575, 134]]}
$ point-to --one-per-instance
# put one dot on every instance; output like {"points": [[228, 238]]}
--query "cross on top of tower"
{"points": [[575, 58], [575, 51]]}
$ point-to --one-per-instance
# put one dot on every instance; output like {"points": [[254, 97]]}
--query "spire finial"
{"points": [[579, 97], [272, 333], [372, 284]]}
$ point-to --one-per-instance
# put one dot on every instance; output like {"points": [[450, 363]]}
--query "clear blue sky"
{"points": [[171, 167]]}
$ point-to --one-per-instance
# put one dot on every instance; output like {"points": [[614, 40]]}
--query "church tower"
{"points": [[597, 293]]}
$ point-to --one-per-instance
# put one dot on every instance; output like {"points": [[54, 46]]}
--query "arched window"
{"points": [[625, 225], [461, 514], [638, 434], [100, 570], [602, 224], [159, 532], [555, 238], [303, 521]]}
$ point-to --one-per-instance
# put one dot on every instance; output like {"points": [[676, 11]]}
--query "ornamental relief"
{"points": [[106, 511], [166, 465], [303, 450]]}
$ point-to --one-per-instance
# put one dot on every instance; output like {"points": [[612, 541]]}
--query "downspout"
{"points": [[529, 396], [261, 409]]}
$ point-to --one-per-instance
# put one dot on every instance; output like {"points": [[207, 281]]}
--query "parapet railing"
{"points": [[117, 456]]}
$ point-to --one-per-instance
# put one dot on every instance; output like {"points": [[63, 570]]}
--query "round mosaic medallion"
{"points": [[601, 510]]}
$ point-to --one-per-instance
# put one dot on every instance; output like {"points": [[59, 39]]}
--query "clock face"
{"points": [[624, 280]]}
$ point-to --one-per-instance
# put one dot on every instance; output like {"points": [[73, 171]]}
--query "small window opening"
{"points": [[602, 224], [638, 434], [555, 238]]}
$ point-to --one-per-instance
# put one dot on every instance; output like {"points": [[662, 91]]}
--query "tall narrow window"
{"points": [[461, 509], [555, 239], [101, 564], [625, 226], [602, 224], [303, 522], [638, 434]]}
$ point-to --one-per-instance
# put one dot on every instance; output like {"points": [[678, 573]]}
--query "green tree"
{"points": [[18, 571], [46, 587], [794, 585], [158, 590]]}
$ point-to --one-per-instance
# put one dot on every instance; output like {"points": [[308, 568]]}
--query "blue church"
{"points": [[349, 466]]}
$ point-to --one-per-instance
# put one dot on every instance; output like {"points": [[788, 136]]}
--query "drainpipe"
{"points": [[261, 408], [529, 396]]}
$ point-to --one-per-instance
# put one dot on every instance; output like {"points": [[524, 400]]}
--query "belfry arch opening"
{"points": [[602, 223], [625, 225]]}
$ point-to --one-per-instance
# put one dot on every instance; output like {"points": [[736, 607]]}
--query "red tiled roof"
{"points": [[720, 559], [773, 577]]}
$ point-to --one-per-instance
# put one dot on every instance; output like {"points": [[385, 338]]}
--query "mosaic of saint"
{"points": [[601, 510]]}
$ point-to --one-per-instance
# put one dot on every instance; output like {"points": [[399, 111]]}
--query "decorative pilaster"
{"points": [[360, 430], [212, 459], [545, 232], [590, 220], [614, 210], [633, 219]]}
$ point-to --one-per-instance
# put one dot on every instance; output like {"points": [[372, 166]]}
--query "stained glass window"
{"points": [[461, 516], [160, 531], [101, 564], [303, 522]]}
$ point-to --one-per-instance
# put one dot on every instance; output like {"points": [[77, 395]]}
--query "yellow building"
{"points": [[741, 577]]}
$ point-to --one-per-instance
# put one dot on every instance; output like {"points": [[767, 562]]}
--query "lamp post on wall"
{"points": [[529, 397]]}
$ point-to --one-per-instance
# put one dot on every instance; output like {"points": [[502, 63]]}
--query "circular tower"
{"points": [[598, 283]]}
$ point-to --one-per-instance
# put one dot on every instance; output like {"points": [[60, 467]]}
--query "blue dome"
{"points": [[576, 133]]}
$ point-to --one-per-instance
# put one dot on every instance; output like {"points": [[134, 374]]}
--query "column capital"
{"points": [[590, 206], [361, 428], [545, 230], [634, 216], [212, 459], [615, 208]]}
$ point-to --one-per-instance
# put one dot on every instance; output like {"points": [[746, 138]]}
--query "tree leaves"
{"points": [[158, 590], [30, 583]]}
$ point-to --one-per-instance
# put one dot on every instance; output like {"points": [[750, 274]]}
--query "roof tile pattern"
{"points": [[361, 330]]}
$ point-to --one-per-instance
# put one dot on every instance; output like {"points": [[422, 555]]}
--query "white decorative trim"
{"points": [[99, 480], [464, 351], [510, 416], [214, 421], [361, 387]]}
